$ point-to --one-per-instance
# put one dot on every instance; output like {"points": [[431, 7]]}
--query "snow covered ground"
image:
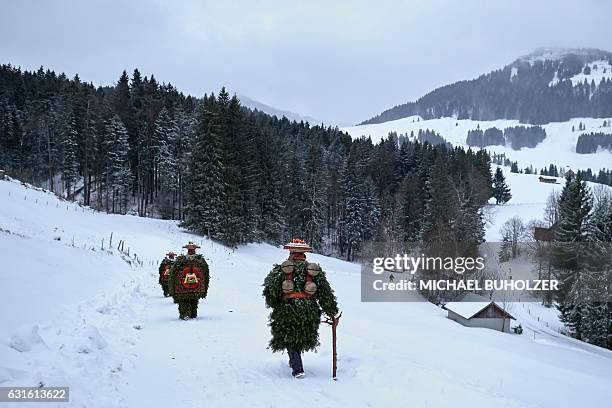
{"points": [[528, 201], [94, 319], [558, 148], [599, 70]]}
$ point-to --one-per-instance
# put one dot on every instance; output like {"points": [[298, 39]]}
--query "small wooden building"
{"points": [[487, 314], [543, 234], [549, 180]]}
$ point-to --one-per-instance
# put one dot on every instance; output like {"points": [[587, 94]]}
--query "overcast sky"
{"points": [[342, 61]]}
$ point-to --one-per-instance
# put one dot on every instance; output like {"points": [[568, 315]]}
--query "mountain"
{"points": [[270, 110], [548, 85], [82, 313]]}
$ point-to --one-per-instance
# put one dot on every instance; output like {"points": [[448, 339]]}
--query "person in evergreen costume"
{"points": [[164, 272], [297, 292], [188, 282]]}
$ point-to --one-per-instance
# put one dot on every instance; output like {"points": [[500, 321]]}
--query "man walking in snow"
{"points": [[164, 272], [188, 282], [297, 291]]}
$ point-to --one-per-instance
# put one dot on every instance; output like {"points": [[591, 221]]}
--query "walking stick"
{"points": [[333, 322]]}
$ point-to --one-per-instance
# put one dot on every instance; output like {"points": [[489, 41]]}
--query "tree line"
{"points": [[591, 142], [231, 173], [517, 137]]}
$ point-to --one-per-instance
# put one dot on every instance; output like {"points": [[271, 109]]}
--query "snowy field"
{"points": [[558, 148], [528, 201], [74, 314]]}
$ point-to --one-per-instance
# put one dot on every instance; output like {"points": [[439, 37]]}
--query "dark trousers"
{"points": [[295, 362], [188, 308]]}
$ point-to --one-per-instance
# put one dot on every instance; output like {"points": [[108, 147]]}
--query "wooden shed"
{"points": [[548, 180], [543, 234], [487, 314]]}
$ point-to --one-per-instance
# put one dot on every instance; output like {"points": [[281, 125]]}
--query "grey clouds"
{"points": [[342, 61]]}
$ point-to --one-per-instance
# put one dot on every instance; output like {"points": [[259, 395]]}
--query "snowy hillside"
{"points": [[595, 72], [528, 201], [548, 85], [558, 53], [94, 319], [279, 113], [558, 148]]}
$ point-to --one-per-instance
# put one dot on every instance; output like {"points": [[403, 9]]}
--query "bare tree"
{"points": [[514, 232], [551, 211]]}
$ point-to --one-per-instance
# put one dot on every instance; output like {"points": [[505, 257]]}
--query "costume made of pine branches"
{"points": [[164, 272], [189, 281], [295, 320]]}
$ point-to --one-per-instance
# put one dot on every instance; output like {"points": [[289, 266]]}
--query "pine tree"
{"points": [[167, 158], [119, 175], [186, 125], [233, 227], [70, 165], [314, 207], [501, 191], [360, 211], [569, 251], [505, 249], [351, 221], [270, 203], [89, 152], [251, 179], [204, 213], [370, 209], [295, 194], [439, 205]]}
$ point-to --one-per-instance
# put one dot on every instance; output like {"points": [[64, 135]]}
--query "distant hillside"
{"points": [[548, 85], [279, 113]]}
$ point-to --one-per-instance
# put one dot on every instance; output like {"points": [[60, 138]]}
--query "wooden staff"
{"points": [[333, 322]]}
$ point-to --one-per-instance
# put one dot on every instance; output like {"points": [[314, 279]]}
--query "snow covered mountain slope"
{"points": [[559, 146], [95, 320], [597, 71], [559, 53], [270, 110], [545, 86], [528, 201]]}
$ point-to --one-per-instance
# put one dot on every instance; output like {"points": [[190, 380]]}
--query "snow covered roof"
{"points": [[471, 305], [466, 309]]}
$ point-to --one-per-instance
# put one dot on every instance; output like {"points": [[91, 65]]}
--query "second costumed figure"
{"points": [[164, 272], [297, 291], [188, 282]]}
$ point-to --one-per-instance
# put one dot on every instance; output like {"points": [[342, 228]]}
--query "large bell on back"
{"points": [[313, 269], [288, 286], [287, 267]]}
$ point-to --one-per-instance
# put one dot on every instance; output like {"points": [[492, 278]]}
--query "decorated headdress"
{"points": [[191, 248], [170, 255], [298, 246]]}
